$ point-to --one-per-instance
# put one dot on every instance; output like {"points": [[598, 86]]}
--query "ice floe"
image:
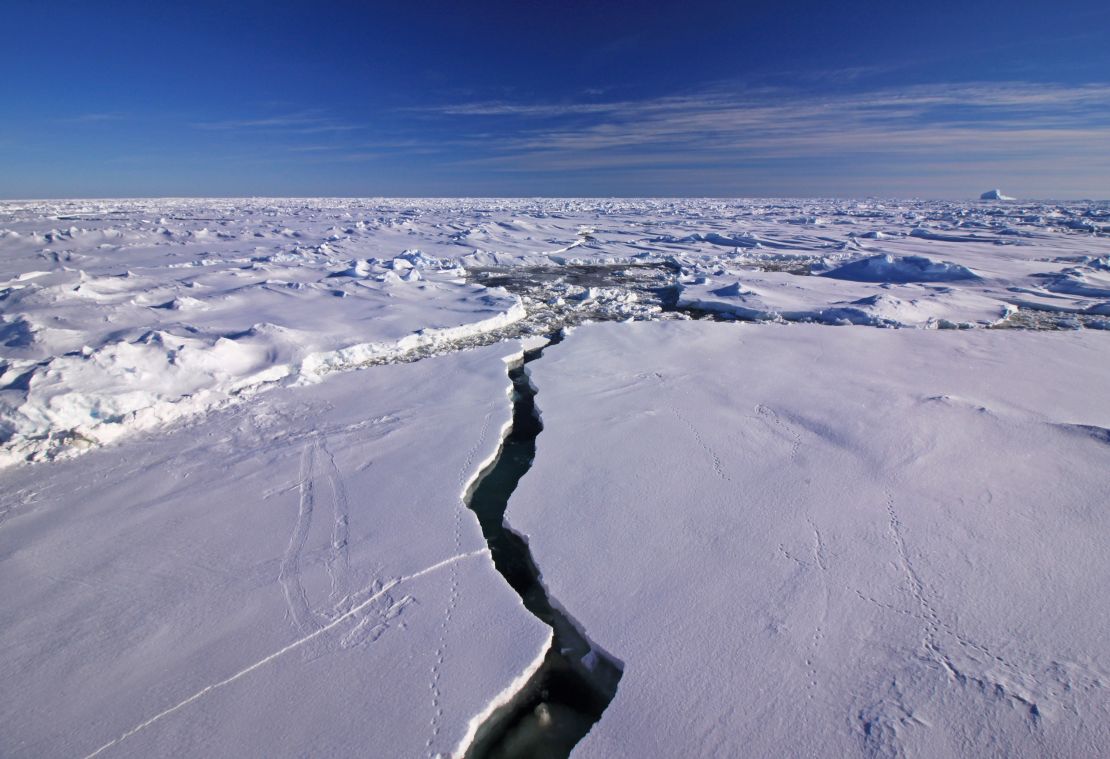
{"points": [[813, 542]]}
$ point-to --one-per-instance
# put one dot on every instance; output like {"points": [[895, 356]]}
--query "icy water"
{"points": [[566, 697], [558, 297], [562, 296]]}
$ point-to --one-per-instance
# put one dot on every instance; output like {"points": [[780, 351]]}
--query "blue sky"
{"points": [[555, 98]]}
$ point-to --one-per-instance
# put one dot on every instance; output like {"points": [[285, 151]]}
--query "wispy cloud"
{"points": [[974, 122], [304, 122], [528, 110], [93, 118], [355, 156], [312, 148]]}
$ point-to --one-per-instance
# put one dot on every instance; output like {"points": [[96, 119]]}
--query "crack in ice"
{"points": [[566, 695]]}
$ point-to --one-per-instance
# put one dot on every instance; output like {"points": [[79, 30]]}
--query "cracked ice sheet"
{"points": [[120, 315], [306, 558], [813, 542]]}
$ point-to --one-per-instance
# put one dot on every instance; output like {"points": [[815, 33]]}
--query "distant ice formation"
{"points": [[888, 268], [995, 194]]}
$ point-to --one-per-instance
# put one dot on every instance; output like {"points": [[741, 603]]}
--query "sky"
{"points": [[524, 98]]}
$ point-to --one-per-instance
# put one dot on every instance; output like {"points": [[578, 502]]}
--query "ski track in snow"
{"points": [[338, 560], [296, 599], [305, 616], [375, 596]]}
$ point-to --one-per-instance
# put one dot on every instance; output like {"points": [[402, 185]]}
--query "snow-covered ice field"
{"points": [[814, 542], [839, 490], [289, 578]]}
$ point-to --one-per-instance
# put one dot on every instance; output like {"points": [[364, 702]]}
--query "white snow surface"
{"points": [[799, 540], [124, 315], [294, 578], [805, 541]]}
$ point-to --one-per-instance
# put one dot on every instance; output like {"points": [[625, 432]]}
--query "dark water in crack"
{"points": [[567, 695]]}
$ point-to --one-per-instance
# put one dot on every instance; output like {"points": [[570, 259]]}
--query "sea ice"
{"points": [[289, 578], [797, 540], [813, 542]]}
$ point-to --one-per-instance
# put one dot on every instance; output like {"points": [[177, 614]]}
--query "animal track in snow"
{"points": [[466, 471], [718, 469], [935, 628]]}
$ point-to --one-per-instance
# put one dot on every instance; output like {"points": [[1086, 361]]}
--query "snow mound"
{"points": [[1077, 281], [734, 290], [171, 348], [901, 269]]}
